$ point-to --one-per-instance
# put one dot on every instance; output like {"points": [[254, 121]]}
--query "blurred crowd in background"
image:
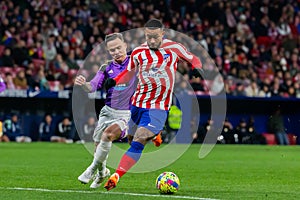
{"points": [[254, 44]]}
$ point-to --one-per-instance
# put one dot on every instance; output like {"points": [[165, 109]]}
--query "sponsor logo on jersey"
{"points": [[121, 87]]}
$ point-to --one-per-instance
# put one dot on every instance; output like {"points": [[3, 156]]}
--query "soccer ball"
{"points": [[167, 183]]}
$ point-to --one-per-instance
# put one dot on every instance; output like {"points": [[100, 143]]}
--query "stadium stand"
{"points": [[248, 41]]}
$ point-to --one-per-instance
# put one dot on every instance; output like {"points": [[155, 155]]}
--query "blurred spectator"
{"points": [[42, 81], [64, 132], [256, 138], [60, 64], [217, 85], [240, 90], [283, 28], [93, 72], [49, 50], [2, 138], [264, 91], [243, 39], [227, 135], [244, 137], [243, 29], [230, 19], [37, 50], [46, 128], [173, 123], [88, 129], [71, 60], [194, 129], [12, 130], [276, 126], [203, 129], [252, 90], [8, 79], [289, 44], [20, 80], [275, 89], [273, 32], [31, 82], [2, 84], [20, 54], [202, 41], [6, 59]]}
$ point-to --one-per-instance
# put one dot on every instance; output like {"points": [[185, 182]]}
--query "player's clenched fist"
{"points": [[80, 80]]}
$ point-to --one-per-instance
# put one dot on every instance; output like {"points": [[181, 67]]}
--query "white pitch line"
{"points": [[112, 193]]}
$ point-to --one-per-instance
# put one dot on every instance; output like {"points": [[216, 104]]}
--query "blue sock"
{"points": [[129, 159], [135, 150]]}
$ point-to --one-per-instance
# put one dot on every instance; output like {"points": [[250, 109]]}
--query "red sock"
{"points": [[125, 164], [129, 159]]}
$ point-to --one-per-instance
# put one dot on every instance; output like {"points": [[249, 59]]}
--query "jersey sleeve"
{"points": [[133, 62], [126, 75], [99, 78], [183, 54]]}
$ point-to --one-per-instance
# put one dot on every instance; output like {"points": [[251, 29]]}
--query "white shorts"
{"points": [[109, 116]]}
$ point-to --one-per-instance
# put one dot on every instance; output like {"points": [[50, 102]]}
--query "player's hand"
{"points": [[80, 80], [109, 83], [198, 72]]}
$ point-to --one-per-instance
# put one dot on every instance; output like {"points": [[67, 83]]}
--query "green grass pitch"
{"points": [[50, 171]]}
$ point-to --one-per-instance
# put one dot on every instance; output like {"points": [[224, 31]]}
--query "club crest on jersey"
{"points": [[167, 57], [110, 71]]}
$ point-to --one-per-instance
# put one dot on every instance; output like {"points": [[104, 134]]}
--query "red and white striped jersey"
{"points": [[156, 71]]}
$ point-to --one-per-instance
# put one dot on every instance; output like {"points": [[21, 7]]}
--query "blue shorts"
{"points": [[152, 119]]}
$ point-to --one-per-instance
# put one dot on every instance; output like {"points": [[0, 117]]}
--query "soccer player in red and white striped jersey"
{"points": [[155, 64], [156, 72]]}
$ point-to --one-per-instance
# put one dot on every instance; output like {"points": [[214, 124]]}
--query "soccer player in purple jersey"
{"points": [[114, 116], [2, 85]]}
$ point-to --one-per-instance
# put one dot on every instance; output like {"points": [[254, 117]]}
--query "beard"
{"points": [[154, 47]]}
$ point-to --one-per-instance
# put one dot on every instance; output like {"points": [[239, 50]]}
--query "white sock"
{"points": [[103, 168], [101, 154]]}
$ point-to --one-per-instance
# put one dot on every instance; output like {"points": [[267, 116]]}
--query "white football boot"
{"points": [[99, 178], [87, 175]]}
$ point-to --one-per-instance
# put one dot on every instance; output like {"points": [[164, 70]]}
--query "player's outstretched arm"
{"points": [[183, 53], [81, 81]]}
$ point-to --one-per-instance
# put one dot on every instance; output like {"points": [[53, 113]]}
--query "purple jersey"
{"points": [[2, 85], [118, 97]]}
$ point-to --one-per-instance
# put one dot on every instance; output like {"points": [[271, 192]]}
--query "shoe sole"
{"points": [[110, 185], [157, 142], [83, 182], [99, 184]]}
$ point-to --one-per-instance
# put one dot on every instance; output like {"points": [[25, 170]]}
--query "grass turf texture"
{"points": [[228, 172]]}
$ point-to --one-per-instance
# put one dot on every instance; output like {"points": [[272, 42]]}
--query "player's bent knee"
{"points": [[107, 136], [111, 136]]}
